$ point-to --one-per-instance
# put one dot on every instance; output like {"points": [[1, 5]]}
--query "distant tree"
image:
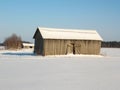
{"points": [[13, 42]]}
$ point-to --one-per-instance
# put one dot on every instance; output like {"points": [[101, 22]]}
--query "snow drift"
{"points": [[24, 71]]}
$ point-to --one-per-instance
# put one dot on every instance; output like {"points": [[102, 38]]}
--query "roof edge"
{"points": [[68, 30]]}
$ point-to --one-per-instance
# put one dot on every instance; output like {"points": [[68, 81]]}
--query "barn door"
{"points": [[77, 49], [71, 48]]}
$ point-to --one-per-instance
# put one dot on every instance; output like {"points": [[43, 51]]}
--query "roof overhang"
{"points": [[71, 34]]}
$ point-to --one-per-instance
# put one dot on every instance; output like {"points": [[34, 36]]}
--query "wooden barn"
{"points": [[52, 41]]}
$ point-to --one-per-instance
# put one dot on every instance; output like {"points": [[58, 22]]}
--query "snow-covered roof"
{"points": [[28, 44], [72, 34]]}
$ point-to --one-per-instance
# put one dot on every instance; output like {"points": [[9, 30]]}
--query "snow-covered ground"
{"points": [[22, 70]]}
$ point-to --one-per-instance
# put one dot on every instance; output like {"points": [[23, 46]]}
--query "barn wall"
{"points": [[54, 47], [39, 44], [62, 47], [38, 49], [89, 47]]}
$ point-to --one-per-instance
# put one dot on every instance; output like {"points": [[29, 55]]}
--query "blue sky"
{"points": [[23, 16]]}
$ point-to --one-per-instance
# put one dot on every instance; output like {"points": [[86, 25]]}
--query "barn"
{"points": [[52, 41]]}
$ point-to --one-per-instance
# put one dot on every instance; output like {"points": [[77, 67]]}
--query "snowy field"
{"points": [[22, 70]]}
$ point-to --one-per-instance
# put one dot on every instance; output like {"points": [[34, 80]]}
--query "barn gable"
{"points": [[37, 34]]}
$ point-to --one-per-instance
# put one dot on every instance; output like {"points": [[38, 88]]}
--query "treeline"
{"points": [[110, 44]]}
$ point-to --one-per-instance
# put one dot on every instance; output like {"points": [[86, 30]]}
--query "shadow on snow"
{"points": [[19, 54]]}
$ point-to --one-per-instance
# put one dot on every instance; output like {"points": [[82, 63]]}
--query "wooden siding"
{"points": [[38, 48], [39, 44], [63, 47]]}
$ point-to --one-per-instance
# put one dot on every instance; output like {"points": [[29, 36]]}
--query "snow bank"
{"points": [[111, 52], [29, 72]]}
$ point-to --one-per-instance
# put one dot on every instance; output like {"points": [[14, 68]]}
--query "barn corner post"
{"points": [[100, 45]]}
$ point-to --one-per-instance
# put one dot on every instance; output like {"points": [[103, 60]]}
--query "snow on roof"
{"points": [[73, 34], [28, 44]]}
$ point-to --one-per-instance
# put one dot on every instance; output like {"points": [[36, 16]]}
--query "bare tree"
{"points": [[13, 42]]}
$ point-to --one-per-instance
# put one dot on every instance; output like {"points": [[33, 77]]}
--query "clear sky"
{"points": [[24, 16]]}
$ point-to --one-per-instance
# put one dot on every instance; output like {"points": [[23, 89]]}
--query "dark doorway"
{"points": [[73, 48]]}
